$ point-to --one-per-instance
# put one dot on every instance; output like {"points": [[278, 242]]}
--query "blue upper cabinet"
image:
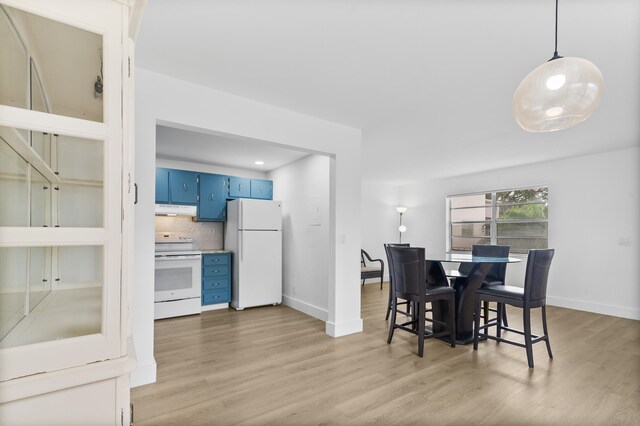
{"points": [[262, 189], [176, 186], [212, 204], [183, 187], [239, 187], [162, 185]]}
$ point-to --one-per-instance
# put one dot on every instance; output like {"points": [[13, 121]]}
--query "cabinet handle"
{"points": [[185, 187], [211, 197]]}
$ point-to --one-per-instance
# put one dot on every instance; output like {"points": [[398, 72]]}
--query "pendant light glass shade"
{"points": [[558, 94]]}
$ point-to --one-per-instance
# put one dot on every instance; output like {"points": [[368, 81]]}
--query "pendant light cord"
{"points": [[555, 52]]}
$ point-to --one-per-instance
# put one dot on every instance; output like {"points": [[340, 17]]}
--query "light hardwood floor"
{"points": [[274, 365]]}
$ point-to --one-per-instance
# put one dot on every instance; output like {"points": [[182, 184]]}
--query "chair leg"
{"points": [[485, 312], [499, 323], [421, 325], [392, 324], [389, 304], [476, 324], [503, 307], [546, 332], [526, 314], [380, 283], [452, 320]]}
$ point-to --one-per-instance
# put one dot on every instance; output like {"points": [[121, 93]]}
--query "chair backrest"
{"points": [[435, 274], [535, 279], [408, 272], [498, 271], [386, 250], [362, 262]]}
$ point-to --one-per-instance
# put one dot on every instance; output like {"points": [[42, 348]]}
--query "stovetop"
{"points": [[172, 237]]}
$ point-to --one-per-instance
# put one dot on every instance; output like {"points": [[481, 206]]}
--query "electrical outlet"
{"points": [[213, 231]]}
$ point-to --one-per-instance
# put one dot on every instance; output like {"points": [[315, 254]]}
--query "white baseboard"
{"points": [[343, 328], [307, 308], [215, 307], [144, 374], [598, 308]]}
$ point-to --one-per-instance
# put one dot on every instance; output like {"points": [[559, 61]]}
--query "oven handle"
{"points": [[195, 256]]}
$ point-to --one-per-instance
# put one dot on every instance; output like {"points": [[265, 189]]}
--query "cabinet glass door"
{"points": [[72, 74], [13, 291], [14, 187], [40, 278], [61, 220], [40, 207]]}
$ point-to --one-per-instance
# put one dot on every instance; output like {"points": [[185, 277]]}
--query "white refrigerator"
{"points": [[253, 232]]}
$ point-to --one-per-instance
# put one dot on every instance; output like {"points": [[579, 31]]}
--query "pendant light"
{"points": [[559, 94]]}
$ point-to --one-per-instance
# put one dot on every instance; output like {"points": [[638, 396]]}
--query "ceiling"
{"points": [[433, 78], [221, 150]]}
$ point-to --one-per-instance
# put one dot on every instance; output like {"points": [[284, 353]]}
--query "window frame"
{"points": [[493, 222]]}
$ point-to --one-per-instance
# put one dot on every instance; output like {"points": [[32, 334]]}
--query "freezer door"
{"points": [[259, 278], [260, 214]]}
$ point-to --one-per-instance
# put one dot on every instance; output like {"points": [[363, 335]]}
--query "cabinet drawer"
{"points": [[215, 283], [215, 296], [215, 259], [215, 271]]}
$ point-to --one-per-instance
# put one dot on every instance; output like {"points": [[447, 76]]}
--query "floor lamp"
{"points": [[401, 228]]}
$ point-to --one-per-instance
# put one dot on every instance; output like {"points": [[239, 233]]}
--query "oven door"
{"points": [[177, 277]]}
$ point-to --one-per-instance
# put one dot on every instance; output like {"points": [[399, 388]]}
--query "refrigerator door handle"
{"points": [[241, 222], [241, 245]]}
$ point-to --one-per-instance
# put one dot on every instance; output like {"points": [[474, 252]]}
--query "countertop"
{"points": [[214, 251]]}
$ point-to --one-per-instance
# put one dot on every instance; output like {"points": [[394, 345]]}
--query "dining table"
{"points": [[465, 287]]}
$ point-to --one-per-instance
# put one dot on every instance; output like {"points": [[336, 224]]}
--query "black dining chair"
{"points": [[410, 283], [368, 271], [407, 311], [533, 295], [495, 276]]}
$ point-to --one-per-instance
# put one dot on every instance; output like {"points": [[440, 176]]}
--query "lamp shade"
{"points": [[401, 209], [558, 94], [402, 228]]}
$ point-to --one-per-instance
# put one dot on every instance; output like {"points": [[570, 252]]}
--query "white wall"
{"points": [[168, 101], [593, 201], [303, 188]]}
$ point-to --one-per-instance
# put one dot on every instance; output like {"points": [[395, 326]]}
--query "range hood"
{"points": [[175, 210]]}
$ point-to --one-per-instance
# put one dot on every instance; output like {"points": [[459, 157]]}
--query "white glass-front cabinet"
{"points": [[63, 154]]}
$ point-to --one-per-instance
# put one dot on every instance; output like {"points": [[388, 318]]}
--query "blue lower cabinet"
{"points": [[216, 278], [216, 296]]}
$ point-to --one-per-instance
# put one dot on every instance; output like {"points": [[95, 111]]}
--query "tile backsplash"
{"points": [[206, 235]]}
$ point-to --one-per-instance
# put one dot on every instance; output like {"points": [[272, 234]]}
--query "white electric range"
{"points": [[178, 274]]}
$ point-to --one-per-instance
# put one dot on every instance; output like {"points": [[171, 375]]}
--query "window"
{"points": [[516, 217]]}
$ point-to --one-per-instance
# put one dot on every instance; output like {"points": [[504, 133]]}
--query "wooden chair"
{"points": [[367, 271], [410, 283], [533, 295]]}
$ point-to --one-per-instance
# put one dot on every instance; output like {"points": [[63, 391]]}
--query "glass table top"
{"points": [[467, 258]]}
